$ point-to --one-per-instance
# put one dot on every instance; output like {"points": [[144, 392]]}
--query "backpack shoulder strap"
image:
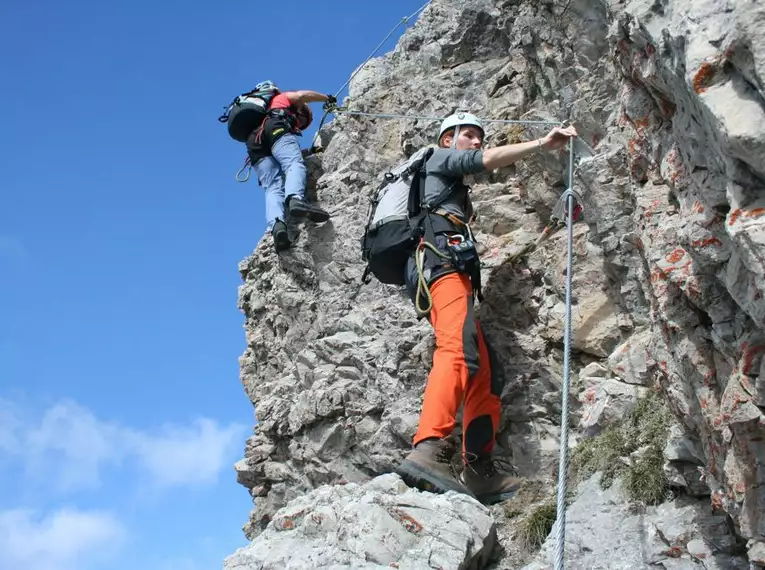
{"points": [[445, 193], [419, 174]]}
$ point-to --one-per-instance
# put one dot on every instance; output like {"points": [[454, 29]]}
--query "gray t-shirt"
{"points": [[445, 168]]}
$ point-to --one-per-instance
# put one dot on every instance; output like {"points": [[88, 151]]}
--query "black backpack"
{"points": [[394, 224], [247, 112]]}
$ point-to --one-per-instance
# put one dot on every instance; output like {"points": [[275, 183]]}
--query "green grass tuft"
{"points": [[644, 431], [536, 525]]}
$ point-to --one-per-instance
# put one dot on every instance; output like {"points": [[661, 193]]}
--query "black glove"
{"points": [[331, 104]]}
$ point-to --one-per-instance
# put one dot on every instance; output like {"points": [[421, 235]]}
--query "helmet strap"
{"points": [[454, 137]]}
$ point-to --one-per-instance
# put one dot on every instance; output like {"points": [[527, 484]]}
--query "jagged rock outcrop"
{"points": [[669, 260], [380, 524], [622, 536]]}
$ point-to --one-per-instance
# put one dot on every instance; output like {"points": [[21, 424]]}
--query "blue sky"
{"points": [[121, 226]]}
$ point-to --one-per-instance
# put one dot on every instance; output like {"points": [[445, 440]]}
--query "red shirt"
{"points": [[280, 102]]}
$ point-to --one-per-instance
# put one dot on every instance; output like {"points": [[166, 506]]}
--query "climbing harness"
{"points": [[460, 253], [283, 121], [560, 535]]}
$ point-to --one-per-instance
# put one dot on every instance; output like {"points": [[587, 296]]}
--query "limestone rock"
{"points": [[631, 361], [684, 463], [380, 524], [669, 258], [604, 531], [606, 403], [756, 551]]}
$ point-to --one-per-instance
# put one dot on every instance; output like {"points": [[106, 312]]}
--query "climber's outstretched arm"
{"points": [[297, 97], [506, 155]]}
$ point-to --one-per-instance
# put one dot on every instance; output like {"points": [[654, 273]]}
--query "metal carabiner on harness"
{"points": [[246, 168], [559, 214]]}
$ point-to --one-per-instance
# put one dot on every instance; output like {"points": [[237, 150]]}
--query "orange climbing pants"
{"points": [[461, 370]]}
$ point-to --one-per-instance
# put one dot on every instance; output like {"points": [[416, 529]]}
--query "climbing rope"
{"points": [[330, 108], [247, 166], [560, 538], [344, 111], [404, 20], [423, 291], [335, 109]]}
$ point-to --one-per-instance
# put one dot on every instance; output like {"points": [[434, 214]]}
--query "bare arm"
{"points": [[506, 155], [298, 97]]}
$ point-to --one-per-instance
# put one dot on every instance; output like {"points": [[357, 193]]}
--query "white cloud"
{"points": [[188, 455], [67, 539], [72, 438], [81, 446]]}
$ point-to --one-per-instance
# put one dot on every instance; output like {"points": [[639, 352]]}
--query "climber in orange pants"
{"points": [[460, 352], [461, 374], [445, 271]]}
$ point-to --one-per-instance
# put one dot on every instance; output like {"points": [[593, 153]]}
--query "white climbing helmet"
{"points": [[459, 119], [266, 85]]}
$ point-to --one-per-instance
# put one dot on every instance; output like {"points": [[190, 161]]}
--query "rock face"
{"points": [[605, 532], [669, 262], [371, 526]]}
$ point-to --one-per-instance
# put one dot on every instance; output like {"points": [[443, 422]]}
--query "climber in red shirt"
{"points": [[274, 151]]}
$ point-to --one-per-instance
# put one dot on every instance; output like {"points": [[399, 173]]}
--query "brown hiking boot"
{"points": [[489, 486], [429, 467]]}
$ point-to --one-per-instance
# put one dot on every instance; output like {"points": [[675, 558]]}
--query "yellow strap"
{"points": [[451, 217]]}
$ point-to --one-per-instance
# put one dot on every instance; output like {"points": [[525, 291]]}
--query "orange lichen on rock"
{"points": [[749, 354], [676, 255], [740, 213], [703, 76], [706, 242]]}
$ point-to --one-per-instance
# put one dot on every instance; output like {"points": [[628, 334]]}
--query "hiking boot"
{"points": [[489, 486], [429, 467], [300, 209], [281, 239]]}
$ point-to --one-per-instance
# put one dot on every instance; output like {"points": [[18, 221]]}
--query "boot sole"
{"points": [[416, 476], [496, 497], [312, 215], [491, 498]]}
